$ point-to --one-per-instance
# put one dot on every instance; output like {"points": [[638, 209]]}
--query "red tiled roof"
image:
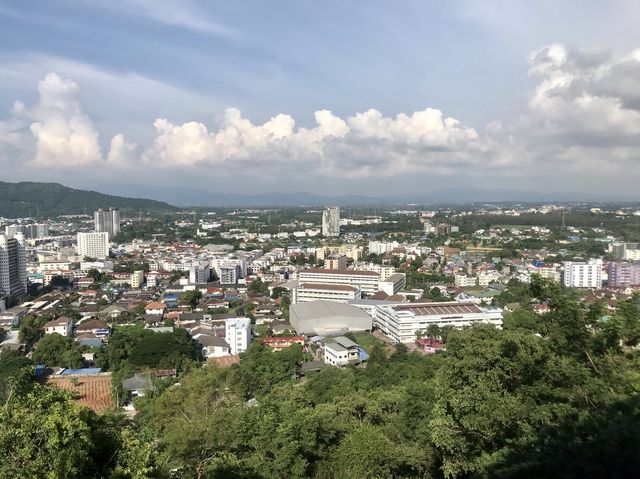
{"points": [[429, 309]]}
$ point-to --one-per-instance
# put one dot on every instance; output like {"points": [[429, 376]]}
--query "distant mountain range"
{"points": [[50, 199], [194, 197]]}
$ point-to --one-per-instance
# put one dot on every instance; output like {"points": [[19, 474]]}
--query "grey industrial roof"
{"points": [[314, 309]]}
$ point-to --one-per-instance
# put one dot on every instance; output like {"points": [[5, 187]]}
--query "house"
{"points": [[155, 308], [340, 351], [212, 346], [11, 317], [280, 327], [62, 326], [113, 311], [94, 327], [137, 385], [430, 346]]}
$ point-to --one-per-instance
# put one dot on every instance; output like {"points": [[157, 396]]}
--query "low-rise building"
{"points": [[327, 317], [340, 293], [402, 322], [394, 283], [341, 351], [63, 326], [366, 280]]}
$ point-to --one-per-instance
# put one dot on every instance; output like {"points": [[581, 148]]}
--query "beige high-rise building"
{"points": [[331, 221], [93, 245]]}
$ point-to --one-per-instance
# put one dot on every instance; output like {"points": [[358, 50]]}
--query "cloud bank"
{"points": [[584, 112]]}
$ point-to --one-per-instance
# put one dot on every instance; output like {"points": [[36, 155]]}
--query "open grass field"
{"points": [[92, 391], [367, 341]]}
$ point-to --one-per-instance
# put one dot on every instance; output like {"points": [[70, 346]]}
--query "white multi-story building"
{"points": [[632, 254], [462, 280], [331, 221], [393, 284], [229, 273], [53, 265], [366, 280], [384, 270], [486, 277], [13, 265], [583, 274], [382, 247], [93, 245], [218, 263], [339, 293], [199, 273], [238, 334], [402, 322]]}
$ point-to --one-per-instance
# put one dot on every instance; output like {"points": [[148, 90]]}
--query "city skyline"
{"points": [[481, 94]]}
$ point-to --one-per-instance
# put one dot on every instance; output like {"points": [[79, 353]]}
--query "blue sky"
{"points": [[215, 92]]}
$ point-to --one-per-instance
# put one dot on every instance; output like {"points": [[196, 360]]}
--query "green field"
{"points": [[366, 340]]}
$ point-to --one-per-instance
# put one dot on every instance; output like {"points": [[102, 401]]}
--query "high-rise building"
{"points": [[11, 230], [107, 221], [37, 230], [93, 245], [583, 274], [13, 265], [200, 272], [618, 249], [331, 221], [622, 274]]}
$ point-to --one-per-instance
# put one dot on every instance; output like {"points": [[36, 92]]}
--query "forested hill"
{"points": [[50, 199]]}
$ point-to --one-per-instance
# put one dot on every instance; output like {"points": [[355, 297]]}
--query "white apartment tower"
{"points": [[13, 265], [331, 221], [107, 221], [93, 245], [584, 274], [238, 334], [200, 272]]}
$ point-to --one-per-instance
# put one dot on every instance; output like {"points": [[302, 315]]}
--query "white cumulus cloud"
{"points": [[64, 135]]}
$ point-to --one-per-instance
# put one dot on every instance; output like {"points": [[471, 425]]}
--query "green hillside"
{"points": [[50, 199]]}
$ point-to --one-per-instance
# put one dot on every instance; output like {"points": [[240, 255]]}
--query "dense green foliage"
{"points": [[57, 350], [132, 347], [550, 395], [537, 399], [51, 199]]}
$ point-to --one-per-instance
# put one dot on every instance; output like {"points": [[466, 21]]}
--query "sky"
{"points": [[378, 98]]}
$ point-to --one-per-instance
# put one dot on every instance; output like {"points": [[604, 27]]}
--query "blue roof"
{"points": [[91, 342], [362, 354], [81, 372]]}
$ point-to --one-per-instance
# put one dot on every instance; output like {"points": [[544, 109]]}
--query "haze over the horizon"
{"points": [[370, 98]]}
